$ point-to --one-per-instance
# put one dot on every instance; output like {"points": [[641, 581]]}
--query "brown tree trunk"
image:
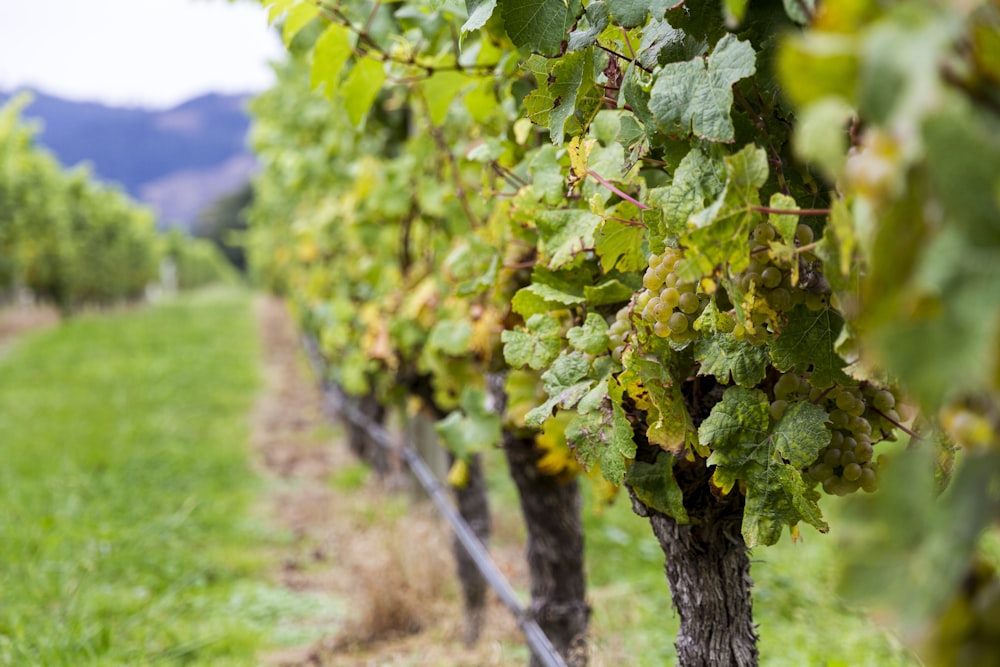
{"points": [[364, 446], [473, 505], [551, 511], [708, 569]]}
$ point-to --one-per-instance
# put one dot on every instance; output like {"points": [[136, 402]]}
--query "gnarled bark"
{"points": [[708, 569], [473, 505], [555, 550]]}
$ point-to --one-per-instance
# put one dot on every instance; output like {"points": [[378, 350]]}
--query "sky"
{"points": [[149, 53]]}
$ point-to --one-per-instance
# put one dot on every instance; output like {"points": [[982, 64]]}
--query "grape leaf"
{"points": [[619, 245], [451, 336], [565, 383], [604, 437], [297, 18], [662, 43], [607, 293], [597, 18], [745, 447], [546, 173], [541, 298], [722, 227], [652, 388], [440, 90], [361, 87], [480, 12], [332, 51], [695, 97], [800, 11], [534, 346], [591, 337], [566, 233], [723, 356], [654, 484], [539, 25], [562, 84], [698, 178], [632, 13], [806, 345], [472, 428]]}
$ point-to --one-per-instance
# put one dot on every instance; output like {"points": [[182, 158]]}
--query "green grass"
{"points": [[126, 529]]}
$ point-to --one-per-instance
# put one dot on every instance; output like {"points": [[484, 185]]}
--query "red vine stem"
{"points": [[894, 422], [611, 186]]}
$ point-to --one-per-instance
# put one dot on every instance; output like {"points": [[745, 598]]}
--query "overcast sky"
{"points": [[153, 53]]}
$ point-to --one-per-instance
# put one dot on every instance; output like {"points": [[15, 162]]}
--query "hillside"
{"points": [[176, 160]]}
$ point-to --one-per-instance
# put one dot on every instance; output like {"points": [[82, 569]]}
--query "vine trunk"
{"points": [[708, 569], [551, 509]]}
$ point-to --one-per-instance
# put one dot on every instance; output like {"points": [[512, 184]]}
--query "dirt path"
{"points": [[384, 555], [16, 320]]}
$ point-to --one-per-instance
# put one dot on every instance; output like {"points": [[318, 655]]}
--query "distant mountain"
{"points": [[178, 161]]}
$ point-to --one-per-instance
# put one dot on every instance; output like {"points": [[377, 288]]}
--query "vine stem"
{"points": [[611, 186], [913, 434]]}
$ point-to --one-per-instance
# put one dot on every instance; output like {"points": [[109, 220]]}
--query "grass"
{"points": [[126, 531]]}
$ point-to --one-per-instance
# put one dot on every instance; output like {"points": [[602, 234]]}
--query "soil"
{"points": [[382, 554], [18, 319]]}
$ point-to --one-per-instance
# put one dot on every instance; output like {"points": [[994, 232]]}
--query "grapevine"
{"points": [[674, 229]]}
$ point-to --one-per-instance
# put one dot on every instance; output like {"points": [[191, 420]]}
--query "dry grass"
{"points": [[385, 555]]}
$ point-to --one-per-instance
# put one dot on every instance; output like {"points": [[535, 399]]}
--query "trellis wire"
{"points": [[538, 641]]}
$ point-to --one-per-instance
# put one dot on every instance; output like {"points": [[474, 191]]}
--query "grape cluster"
{"points": [[668, 304], [767, 285], [617, 333], [860, 417]]}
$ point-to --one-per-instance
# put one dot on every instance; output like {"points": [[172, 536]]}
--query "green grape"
{"points": [[643, 299], [839, 418], [647, 312], [670, 296], [815, 301], [656, 260], [832, 457], [868, 479], [844, 401], [749, 279], [617, 352], [661, 329], [786, 385], [689, 303], [837, 439], [848, 457], [739, 331], [661, 312], [852, 472], [678, 323], [862, 439], [780, 299], [804, 234], [771, 277], [864, 452], [671, 279], [763, 233], [832, 485], [778, 409], [860, 426], [850, 443], [858, 408], [685, 288], [820, 471], [883, 401], [650, 280]]}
